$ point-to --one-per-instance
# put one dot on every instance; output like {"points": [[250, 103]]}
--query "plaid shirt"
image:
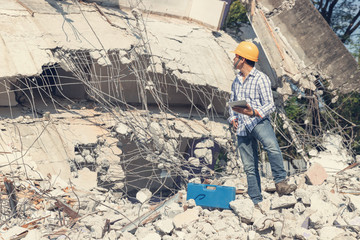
{"points": [[256, 90]]}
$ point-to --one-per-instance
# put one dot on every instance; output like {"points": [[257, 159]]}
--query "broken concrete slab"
{"points": [[186, 218], [244, 208], [283, 202], [316, 174]]}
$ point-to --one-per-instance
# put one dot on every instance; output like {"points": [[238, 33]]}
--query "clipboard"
{"points": [[240, 103]]}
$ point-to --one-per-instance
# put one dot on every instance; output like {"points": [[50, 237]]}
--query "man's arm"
{"points": [[266, 97]]}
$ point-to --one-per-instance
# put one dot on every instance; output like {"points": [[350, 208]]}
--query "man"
{"points": [[252, 123]]}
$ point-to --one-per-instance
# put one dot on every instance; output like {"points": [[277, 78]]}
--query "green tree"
{"points": [[343, 16], [237, 14]]}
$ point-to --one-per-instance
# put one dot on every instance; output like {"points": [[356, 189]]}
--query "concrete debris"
{"points": [[244, 208], [186, 218], [283, 202], [93, 170], [316, 174], [143, 195]]}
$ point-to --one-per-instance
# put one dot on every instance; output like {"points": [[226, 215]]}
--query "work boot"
{"points": [[283, 188]]}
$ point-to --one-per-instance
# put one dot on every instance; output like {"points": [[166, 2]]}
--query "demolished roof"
{"points": [[31, 33], [301, 47]]}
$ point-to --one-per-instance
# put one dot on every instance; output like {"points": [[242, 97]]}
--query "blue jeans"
{"points": [[248, 146]]}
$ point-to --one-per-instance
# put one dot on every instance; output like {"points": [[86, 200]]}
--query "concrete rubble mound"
{"points": [[109, 113]]}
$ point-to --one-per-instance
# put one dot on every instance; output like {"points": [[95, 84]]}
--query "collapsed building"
{"points": [[112, 105]]}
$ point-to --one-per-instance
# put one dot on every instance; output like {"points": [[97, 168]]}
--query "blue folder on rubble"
{"points": [[207, 195]]}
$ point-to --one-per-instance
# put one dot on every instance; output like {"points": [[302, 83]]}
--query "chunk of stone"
{"points": [[316, 174], [263, 223], [79, 160], [143, 195], [152, 236], [122, 129], [89, 159], [110, 235], [283, 202], [115, 173], [303, 233], [97, 230], [355, 221], [299, 207], [204, 153], [207, 143], [155, 129], [330, 232], [278, 227], [86, 179], [303, 195], [173, 209], [194, 161], [208, 229], [244, 208], [191, 203], [186, 218], [164, 225], [127, 236]]}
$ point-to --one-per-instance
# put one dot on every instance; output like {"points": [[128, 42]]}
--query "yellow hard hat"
{"points": [[247, 50]]}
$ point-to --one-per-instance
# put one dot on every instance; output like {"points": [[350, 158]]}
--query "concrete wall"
{"points": [[207, 12], [7, 94], [299, 42]]}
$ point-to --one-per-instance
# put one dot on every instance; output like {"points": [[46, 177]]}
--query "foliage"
{"points": [[343, 16], [294, 109], [237, 14], [348, 106]]}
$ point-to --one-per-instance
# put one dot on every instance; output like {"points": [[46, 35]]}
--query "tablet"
{"points": [[241, 103]]}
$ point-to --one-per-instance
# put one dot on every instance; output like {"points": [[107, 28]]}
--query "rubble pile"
{"points": [[93, 203]]}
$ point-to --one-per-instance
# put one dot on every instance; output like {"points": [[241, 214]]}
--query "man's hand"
{"points": [[235, 124], [246, 111]]}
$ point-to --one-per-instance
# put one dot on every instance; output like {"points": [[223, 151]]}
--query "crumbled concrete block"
{"points": [[155, 129], [355, 200], [278, 228], [33, 234], [143, 195], [303, 233], [252, 235], [164, 225], [263, 223], [151, 236], [110, 235], [86, 179], [208, 229], [355, 221], [220, 226], [316, 174], [186, 217], [330, 232], [322, 217], [299, 207], [97, 229], [303, 195], [89, 159], [191, 203], [194, 161], [283, 202], [313, 152], [244, 208], [207, 143], [204, 153], [180, 235], [173, 209], [122, 129], [79, 160]]}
